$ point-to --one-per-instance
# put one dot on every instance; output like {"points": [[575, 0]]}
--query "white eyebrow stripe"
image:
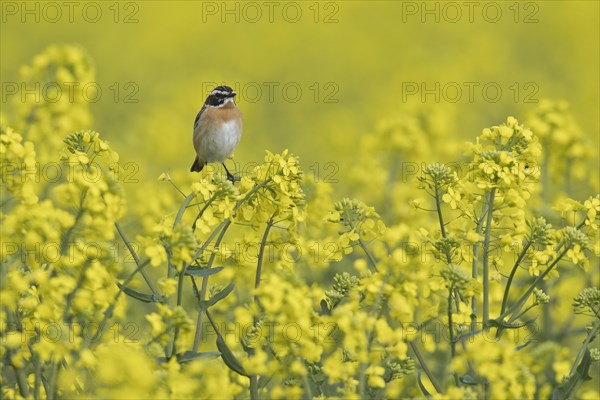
{"points": [[219, 92]]}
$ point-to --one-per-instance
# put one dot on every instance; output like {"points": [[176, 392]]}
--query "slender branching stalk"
{"points": [[261, 252], [370, 257], [253, 388], [512, 275], [486, 257], [201, 212], [222, 228], [474, 264], [21, 381], [588, 339], [451, 330], [438, 207], [137, 261], [38, 376], [580, 369], [452, 292], [51, 393], [180, 280], [425, 367], [519, 304], [378, 305]]}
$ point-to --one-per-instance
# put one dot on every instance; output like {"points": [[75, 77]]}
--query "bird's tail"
{"points": [[197, 165]]}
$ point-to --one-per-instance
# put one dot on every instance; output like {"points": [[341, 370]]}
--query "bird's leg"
{"points": [[229, 176]]}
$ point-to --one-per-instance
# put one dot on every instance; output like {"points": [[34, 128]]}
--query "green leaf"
{"points": [[422, 386], [505, 325], [183, 208], [468, 380], [206, 304], [567, 389], [263, 381], [229, 359], [325, 308], [203, 271], [191, 355], [146, 298], [583, 368]]}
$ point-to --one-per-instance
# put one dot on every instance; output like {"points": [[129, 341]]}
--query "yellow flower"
{"points": [[452, 198], [375, 376], [473, 236], [592, 207], [164, 177]]}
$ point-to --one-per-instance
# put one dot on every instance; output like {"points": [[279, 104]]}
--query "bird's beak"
{"points": [[233, 94]]}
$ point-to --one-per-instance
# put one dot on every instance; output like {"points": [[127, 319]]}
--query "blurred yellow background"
{"points": [[365, 92], [312, 76]]}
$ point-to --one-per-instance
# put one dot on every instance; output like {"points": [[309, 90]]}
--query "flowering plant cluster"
{"points": [[446, 285]]}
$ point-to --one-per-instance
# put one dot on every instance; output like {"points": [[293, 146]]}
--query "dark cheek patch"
{"points": [[213, 100]]}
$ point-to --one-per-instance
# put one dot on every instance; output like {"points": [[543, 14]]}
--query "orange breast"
{"points": [[212, 119], [228, 112]]}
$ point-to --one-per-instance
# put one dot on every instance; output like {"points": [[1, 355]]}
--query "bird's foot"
{"points": [[233, 178]]}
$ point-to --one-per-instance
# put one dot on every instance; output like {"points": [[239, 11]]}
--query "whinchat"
{"points": [[217, 129]]}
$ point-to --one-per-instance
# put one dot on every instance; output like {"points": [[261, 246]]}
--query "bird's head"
{"points": [[220, 96]]}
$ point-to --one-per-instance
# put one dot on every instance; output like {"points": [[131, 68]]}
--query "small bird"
{"points": [[217, 129]]}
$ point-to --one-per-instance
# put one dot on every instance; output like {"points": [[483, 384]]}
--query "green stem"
{"points": [[201, 212], [136, 259], [182, 209], [370, 256], [253, 377], [474, 272], [52, 381], [453, 342], [179, 302], [425, 368], [71, 296], [525, 311], [38, 378], [180, 288], [438, 207], [524, 298], [512, 275], [64, 240], [450, 329], [202, 294], [486, 256], [580, 369], [449, 313], [253, 387], [261, 253], [109, 310], [46, 384], [237, 206], [362, 244], [180, 277], [308, 389], [21, 381], [362, 384], [514, 310], [176, 187], [590, 336], [254, 392], [224, 226]]}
